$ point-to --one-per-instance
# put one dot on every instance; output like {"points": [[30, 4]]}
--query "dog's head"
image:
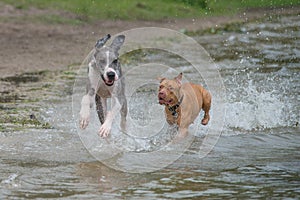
{"points": [[106, 59], [168, 93]]}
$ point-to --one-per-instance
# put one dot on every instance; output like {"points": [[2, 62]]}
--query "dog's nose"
{"points": [[162, 94], [111, 75]]}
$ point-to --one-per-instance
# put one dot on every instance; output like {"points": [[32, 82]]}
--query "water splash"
{"points": [[259, 99]]}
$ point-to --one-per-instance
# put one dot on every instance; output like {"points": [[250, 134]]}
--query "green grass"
{"points": [[233, 6], [90, 10]]}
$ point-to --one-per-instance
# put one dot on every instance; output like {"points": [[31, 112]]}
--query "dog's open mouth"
{"points": [[109, 82], [164, 101]]}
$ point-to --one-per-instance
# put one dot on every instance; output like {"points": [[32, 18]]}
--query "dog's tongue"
{"points": [[109, 82]]}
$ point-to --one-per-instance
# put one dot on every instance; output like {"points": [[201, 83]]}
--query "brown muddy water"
{"points": [[43, 155]]}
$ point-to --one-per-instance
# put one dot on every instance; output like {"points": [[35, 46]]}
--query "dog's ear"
{"points": [[178, 78], [160, 79], [117, 42], [101, 42]]}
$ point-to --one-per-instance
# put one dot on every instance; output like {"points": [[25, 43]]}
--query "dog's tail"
{"points": [[101, 42]]}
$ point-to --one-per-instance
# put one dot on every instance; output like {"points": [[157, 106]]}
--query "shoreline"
{"points": [[29, 46]]}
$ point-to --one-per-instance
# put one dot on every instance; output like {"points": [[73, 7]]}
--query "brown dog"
{"points": [[183, 102]]}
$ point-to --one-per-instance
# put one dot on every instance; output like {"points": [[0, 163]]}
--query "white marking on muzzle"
{"points": [[107, 60], [108, 69]]}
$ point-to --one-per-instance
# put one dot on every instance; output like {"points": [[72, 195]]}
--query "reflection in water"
{"points": [[256, 157]]}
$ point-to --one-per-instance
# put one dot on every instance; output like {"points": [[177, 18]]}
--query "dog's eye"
{"points": [[115, 61], [171, 88]]}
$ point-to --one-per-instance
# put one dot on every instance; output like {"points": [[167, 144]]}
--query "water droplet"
{"points": [[231, 38], [243, 29]]}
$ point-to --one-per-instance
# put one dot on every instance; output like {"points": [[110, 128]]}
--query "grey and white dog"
{"points": [[105, 81]]}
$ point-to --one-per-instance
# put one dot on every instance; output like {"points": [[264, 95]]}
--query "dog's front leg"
{"points": [[89, 98], [85, 111], [183, 125], [106, 126]]}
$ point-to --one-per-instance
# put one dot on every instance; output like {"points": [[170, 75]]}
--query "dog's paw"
{"points": [[205, 121], [104, 130], [182, 133], [84, 121]]}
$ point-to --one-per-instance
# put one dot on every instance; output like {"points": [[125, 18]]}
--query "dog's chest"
{"points": [[173, 117], [105, 91]]}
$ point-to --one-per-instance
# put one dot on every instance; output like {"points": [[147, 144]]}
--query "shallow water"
{"points": [[255, 157]]}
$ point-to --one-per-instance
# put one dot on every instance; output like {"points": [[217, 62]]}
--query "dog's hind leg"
{"points": [[123, 111], [206, 107], [99, 108]]}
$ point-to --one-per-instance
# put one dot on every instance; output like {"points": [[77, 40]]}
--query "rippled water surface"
{"points": [[257, 155]]}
